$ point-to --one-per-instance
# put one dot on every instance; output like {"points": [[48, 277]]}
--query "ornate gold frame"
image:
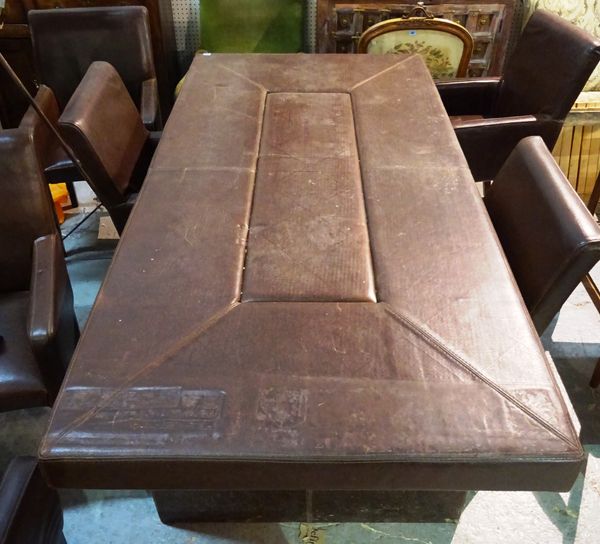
{"points": [[423, 23]]}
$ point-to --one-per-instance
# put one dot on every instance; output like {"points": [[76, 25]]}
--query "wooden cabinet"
{"points": [[15, 45], [492, 24]]}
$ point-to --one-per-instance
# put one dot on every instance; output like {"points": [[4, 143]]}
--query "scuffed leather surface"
{"points": [[67, 41], [200, 388], [549, 236], [30, 511], [309, 238]]}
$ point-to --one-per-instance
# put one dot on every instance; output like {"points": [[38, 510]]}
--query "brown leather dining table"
{"points": [[309, 301]]}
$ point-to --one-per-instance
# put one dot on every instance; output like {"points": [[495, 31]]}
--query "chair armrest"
{"points": [[487, 143], [29, 510], [51, 323], [474, 96], [150, 105], [49, 283]]}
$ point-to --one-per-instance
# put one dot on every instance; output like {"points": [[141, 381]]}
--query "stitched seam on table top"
{"points": [[100, 295], [382, 72], [245, 78], [185, 169], [250, 209], [436, 344], [166, 355]]}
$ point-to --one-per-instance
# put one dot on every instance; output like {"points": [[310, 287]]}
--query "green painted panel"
{"points": [[251, 26]]}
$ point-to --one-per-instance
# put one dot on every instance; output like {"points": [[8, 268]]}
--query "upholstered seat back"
{"points": [[548, 68], [104, 129], [549, 237], [67, 41], [444, 46], [26, 211]]}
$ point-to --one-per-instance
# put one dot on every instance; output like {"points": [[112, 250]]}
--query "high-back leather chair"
{"points": [[549, 237], [541, 81], [67, 41], [444, 45], [30, 511], [115, 160], [37, 321]]}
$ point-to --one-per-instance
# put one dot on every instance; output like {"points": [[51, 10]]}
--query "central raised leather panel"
{"points": [[308, 237]]}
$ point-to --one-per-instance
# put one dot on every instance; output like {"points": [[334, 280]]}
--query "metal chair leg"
{"points": [[72, 194], [595, 196], [594, 293]]}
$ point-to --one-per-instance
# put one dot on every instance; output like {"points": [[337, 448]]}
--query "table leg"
{"points": [[177, 506]]}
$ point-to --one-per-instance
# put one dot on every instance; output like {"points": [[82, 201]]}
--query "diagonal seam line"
{"points": [[152, 365], [436, 344], [389, 69], [242, 76], [250, 210]]}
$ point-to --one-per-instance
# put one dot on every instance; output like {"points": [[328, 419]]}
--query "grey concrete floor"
{"points": [[103, 517]]}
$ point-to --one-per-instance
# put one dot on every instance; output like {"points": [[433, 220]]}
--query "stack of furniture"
{"points": [[492, 23], [15, 44]]}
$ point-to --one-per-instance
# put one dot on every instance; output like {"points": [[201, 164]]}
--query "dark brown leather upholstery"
{"points": [[30, 511], [36, 303], [104, 130], [550, 238], [26, 211], [541, 81], [58, 168], [256, 332], [67, 41]]}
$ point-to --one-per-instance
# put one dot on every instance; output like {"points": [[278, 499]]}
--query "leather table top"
{"points": [[309, 294]]}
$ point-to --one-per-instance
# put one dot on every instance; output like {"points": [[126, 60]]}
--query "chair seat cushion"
{"points": [[21, 383]]}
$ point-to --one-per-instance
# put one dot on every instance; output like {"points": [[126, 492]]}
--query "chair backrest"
{"points": [[26, 209], [548, 235], [44, 141], [444, 45], [548, 69], [103, 128], [67, 41]]}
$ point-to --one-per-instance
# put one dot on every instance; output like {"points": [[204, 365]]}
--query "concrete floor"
{"points": [[104, 517]]}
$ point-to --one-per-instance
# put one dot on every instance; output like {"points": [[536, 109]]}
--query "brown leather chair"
{"points": [[58, 168], [541, 81], [30, 511], [115, 160], [550, 238], [37, 321], [67, 41]]}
